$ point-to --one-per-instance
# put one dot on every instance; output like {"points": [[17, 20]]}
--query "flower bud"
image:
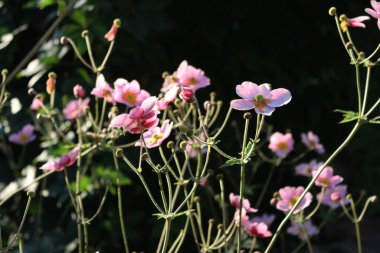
{"points": [[111, 34], [187, 95], [4, 72], [50, 83], [84, 33], [31, 194], [332, 11], [63, 40], [79, 91], [247, 115], [183, 145], [119, 152], [219, 176], [170, 145], [273, 202]]}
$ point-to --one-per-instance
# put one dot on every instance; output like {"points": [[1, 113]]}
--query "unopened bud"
{"points": [[50, 83], [4, 72], [361, 55], [165, 74], [219, 176], [63, 40], [247, 115], [187, 95], [31, 194], [32, 92], [220, 226], [117, 22], [273, 202], [119, 152], [211, 221], [183, 145], [85, 33], [342, 18], [196, 199], [219, 103], [170, 145], [373, 199], [349, 45], [139, 169], [144, 156], [79, 91], [332, 11]]}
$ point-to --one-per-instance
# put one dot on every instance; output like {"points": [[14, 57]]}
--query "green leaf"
{"points": [[45, 3], [230, 163], [348, 116]]}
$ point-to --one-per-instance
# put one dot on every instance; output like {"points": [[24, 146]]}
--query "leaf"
{"points": [[230, 163], [348, 116]]}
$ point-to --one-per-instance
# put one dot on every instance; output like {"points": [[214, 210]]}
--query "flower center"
{"points": [[282, 146], [260, 102], [130, 97], [106, 93], [156, 137], [293, 200], [193, 81], [23, 137], [325, 181]]}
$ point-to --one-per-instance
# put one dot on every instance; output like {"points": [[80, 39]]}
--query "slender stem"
{"points": [[366, 90], [307, 239], [76, 51], [100, 206], [357, 227], [320, 170], [252, 245], [89, 50], [167, 234], [102, 66], [242, 183], [102, 113], [226, 119], [373, 53], [120, 203], [21, 224], [20, 244], [308, 217], [372, 108]]}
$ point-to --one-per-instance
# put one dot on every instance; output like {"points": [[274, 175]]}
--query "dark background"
{"points": [[290, 44]]}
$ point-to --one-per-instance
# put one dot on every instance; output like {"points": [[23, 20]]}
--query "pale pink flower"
{"points": [[63, 162], [289, 196], [103, 89], [140, 118], [79, 91], [281, 144], [257, 229], [306, 169], [129, 93], [354, 22], [327, 179], [244, 217], [169, 97], [75, 108], [308, 229], [311, 141], [375, 12], [24, 136], [191, 77], [265, 218], [156, 135], [235, 202], [260, 97], [333, 196], [37, 103]]}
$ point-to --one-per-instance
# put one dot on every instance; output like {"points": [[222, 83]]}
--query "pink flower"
{"points": [[289, 196], [333, 196], [103, 89], [140, 118], [297, 230], [354, 22], [191, 77], [75, 108], [63, 162], [79, 91], [235, 202], [156, 135], [37, 103], [24, 136], [281, 144], [257, 229], [265, 218], [193, 146], [311, 141], [375, 12], [306, 169], [187, 95], [111, 34], [169, 97], [129, 93], [326, 178], [261, 98]]}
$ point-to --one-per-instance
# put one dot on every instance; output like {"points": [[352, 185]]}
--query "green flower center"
{"points": [[260, 102]]}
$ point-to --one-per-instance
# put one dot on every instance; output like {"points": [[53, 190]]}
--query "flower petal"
{"points": [[279, 97], [242, 104], [373, 13], [247, 90], [267, 111]]}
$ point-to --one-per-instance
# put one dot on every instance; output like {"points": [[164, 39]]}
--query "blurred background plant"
{"points": [[231, 41]]}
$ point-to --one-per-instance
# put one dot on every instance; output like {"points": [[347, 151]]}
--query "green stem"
{"points": [[224, 123], [365, 91], [102, 114], [307, 239], [320, 170], [167, 234], [357, 227]]}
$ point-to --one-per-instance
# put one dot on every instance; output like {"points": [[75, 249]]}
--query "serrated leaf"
{"points": [[230, 163], [348, 116]]}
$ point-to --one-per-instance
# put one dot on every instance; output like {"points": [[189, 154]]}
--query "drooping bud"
{"points": [[79, 91], [187, 95], [50, 83], [111, 34], [332, 11]]}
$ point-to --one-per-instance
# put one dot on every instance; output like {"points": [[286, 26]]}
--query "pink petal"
{"points": [[120, 120], [359, 19], [247, 90], [242, 104], [279, 97], [373, 13], [136, 113], [267, 111], [375, 5], [264, 89], [149, 103], [142, 96]]}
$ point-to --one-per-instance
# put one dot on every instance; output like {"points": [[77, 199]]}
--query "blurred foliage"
{"points": [[291, 44]]}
